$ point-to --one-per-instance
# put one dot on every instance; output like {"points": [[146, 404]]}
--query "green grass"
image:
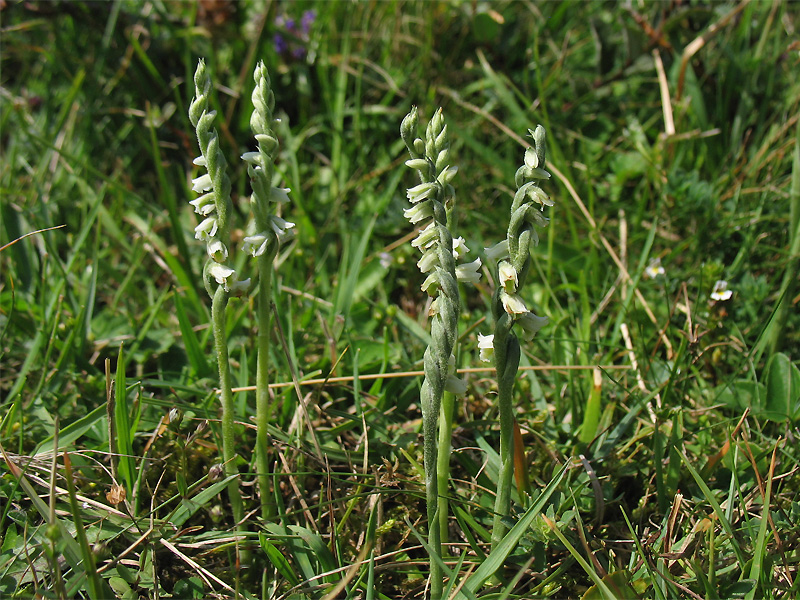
{"points": [[674, 478]]}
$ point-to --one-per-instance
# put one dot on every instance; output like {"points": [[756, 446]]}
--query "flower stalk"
{"points": [[431, 200], [508, 308], [215, 205], [263, 242], [264, 245]]}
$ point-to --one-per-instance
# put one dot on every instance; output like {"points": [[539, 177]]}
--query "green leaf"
{"points": [[278, 560], [617, 583], [189, 506], [783, 389], [122, 426], [742, 394], [194, 352], [497, 558]]}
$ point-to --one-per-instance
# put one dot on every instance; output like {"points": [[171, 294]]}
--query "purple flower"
{"points": [[307, 21], [280, 44]]}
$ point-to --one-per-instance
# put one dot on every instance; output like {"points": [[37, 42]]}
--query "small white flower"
{"points": [[204, 205], [468, 272], [426, 238], [279, 195], [256, 244], [431, 285], [206, 229], [428, 261], [418, 212], [434, 308], [254, 158], [721, 291], [420, 192], [536, 194], [202, 183], [459, 248], [280, 226], [221, 273], [513, 304], [497, 252], [455, 385], [486, 346], [508, 277], [217, 250], [447, 175], [531, 158], [200, 161], [238, 288], [531, 324], [654, 268]]}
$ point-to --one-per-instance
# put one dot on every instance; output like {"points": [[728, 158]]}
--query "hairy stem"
{"points": [[218, 305]]}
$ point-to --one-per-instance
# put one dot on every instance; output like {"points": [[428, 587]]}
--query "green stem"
{"points": [[443, 463], [218, 305], [263, 408], [507, 354], [431, 404]]}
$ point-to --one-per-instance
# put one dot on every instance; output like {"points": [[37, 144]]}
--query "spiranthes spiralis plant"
{"points": [[216, 208], [432, 200], [513, 258], [263, 244]]}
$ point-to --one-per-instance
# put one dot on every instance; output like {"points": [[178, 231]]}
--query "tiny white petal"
{"points": [[431, 285], [455, 385], [200, 161], [428, 261], [256, 244], [426, 237], [721, 291], [654, 269], [469, 272], [204, 205], [217, 250], [221, 273], [486, 347], [420, 192], [254, 158], [418, 212], [280, 226], [513, 304], [207, 229], [279, 195], [202, 183], [531, 324], [508, 277], [434, 309], [459, 247], [531, 158], [238, 288], [447, 175], [536, 194], [497, 252]]}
